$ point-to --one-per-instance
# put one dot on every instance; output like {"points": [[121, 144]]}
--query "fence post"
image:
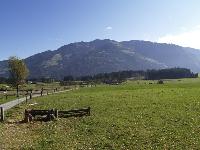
{"points": [[26, 118], [89, 111], [42, 91], [2, 113], [26, 96], [56, 113], [6, 94], [26, 99], [31, 94]]}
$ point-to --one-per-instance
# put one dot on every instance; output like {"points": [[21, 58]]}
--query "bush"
{"points": [[160, 82]]}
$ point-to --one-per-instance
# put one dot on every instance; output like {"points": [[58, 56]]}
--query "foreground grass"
{"points": [[135, 115]]}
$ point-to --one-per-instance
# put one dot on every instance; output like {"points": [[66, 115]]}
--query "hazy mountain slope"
{"points": [[87, 58], [169, 54], [4, 68]]}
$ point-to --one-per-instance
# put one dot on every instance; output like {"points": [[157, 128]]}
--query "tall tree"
{"points": [[18, 72]]}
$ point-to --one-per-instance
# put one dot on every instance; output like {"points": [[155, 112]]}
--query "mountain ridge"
{"points": [[100, 56]]}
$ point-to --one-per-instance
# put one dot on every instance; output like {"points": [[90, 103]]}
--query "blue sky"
{"points": [[31, 26]]}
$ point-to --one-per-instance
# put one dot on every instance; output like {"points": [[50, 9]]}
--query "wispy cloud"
{"points": [[187, 38], [109, 28]]}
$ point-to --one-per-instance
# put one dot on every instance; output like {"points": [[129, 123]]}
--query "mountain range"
{"points": [[100, 56]]}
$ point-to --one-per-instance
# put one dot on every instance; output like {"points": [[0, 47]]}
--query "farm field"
{"points": [[133, 115]]}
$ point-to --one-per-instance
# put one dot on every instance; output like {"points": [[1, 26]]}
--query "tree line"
{"points": [[171, 73], [103, 77], [120, 76], [19, 73]]}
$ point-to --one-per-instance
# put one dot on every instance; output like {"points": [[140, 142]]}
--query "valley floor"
{"points": [[134, 115]]}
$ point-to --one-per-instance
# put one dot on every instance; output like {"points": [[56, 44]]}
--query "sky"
{"points": [[28, 27]]}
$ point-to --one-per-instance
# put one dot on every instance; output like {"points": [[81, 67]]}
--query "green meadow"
{"points": [[133, 115]]}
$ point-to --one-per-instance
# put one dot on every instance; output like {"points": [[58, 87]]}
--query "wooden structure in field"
{"points": [[48, 115], [1, 114], [74, 113], [45, 115]]}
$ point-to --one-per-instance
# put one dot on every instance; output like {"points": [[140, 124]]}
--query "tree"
{"points": [[18, 72], [68, 78]]}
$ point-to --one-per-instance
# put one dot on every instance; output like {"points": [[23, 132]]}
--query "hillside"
{"points": [[99, 56]]}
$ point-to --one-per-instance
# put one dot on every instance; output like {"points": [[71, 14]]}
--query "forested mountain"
{"points": [[101, 56]]}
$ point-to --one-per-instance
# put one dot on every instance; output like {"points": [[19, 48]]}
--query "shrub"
{"points": [[160, 82]]}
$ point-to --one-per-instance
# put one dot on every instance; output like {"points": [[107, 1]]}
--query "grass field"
{"points": [[134, 115]]}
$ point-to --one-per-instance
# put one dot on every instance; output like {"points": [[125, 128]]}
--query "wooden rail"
{"points": [[74, 112], [7, 93]]}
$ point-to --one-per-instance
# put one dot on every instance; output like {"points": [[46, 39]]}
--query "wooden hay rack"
{"points": [[45, 115], [48, 115], [74, 113]]}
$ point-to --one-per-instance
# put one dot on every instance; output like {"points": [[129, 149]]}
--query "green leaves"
{"points": [[18, 71]]}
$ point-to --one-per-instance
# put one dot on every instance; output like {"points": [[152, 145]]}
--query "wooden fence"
{"points": [[8, 93], [28, 95], [47, 115], [43, 114], [75, 112]]}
